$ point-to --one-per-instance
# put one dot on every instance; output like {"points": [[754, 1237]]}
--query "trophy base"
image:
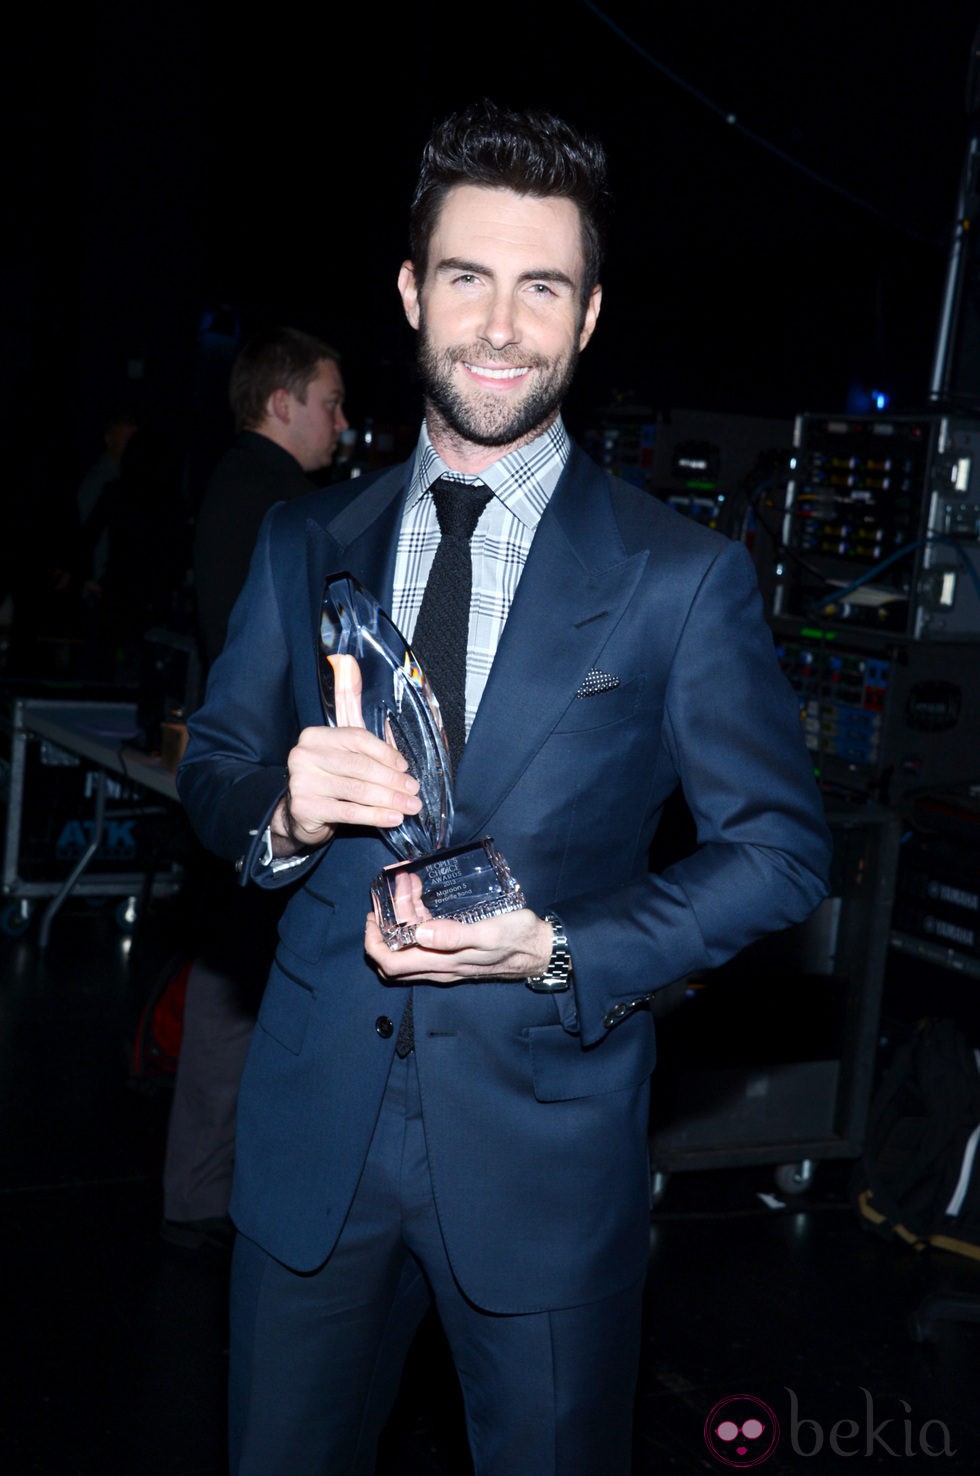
{"points": [[464, 883]]}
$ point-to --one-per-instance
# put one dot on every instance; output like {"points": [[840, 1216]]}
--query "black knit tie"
{"points": [[442, 632], [443, 624]]}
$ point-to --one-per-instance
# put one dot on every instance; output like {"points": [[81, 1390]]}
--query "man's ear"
{"points": [[591, 317], [277, 406], [408, 288]]}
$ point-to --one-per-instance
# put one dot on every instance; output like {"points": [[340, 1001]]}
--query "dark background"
{"points": [[176, 173]]}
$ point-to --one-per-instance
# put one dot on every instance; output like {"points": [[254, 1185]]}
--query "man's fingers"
{"points": [[317, 805], [372, 788], [345, 761], [347, 776], [514, 945], [446, 936], [333, 746]]}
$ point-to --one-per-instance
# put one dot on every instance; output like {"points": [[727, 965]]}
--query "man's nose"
{"points": [[501, 324]]}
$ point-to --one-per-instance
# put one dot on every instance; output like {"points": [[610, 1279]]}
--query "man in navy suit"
{"points": [[496, 1165]]}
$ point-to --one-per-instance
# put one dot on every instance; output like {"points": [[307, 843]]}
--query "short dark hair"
{"points": [[532, 152], [277, 358]]}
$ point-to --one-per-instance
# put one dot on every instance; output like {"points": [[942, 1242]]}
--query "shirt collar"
{"points": [[523, 480]]}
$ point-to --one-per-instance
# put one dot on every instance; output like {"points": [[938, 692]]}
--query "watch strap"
{"points": [[558, 974]]}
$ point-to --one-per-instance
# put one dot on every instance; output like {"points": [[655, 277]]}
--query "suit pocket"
{"points": [[561, 1070], [286, 1004], [306, 926], [601, 709]]}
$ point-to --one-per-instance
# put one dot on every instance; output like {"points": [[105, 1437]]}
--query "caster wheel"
{"points": [[795, 1178], [15, 918], [126, 914]]}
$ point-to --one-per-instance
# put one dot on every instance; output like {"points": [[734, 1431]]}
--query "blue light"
{"points": [[861, 401]]}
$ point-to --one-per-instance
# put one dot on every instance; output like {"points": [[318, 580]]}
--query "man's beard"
{"points": [[487, 419]]}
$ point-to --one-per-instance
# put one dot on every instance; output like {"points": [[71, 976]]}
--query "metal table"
{"points": [[100, 737]]}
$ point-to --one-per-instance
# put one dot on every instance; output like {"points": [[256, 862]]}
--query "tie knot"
{"points": [[459, 505]]}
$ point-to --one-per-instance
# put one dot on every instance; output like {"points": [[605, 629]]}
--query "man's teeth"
{"points": [[489, 373]]}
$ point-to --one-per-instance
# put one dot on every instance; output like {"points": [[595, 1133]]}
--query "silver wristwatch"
{"points": [[558, 974]]}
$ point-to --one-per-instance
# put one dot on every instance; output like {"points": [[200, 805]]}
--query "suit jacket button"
{"points": [[384, 1027]]}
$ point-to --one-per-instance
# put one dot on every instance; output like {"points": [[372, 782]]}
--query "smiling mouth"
{"points": [[486, 372]]}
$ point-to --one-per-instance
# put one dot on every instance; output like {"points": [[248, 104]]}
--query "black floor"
{"points": [[114, 1344]]}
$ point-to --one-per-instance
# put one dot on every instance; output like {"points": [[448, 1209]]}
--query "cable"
{"points": [[732, 121], [841, 594], [837, 595], [781, 550]]}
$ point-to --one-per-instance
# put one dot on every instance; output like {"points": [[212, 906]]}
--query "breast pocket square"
{"points": [[597, 681]]}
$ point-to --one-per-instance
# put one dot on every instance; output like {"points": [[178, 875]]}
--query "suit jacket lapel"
{"points": [[577, 582], [361, 539]]}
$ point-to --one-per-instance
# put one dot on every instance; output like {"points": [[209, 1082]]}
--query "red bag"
{"points": [[153, 1059]]}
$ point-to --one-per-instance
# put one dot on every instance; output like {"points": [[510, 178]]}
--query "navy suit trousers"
{"points": [[316, 1358]]}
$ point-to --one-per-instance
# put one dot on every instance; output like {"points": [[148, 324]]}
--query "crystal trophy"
{"points": [[370, 678]]}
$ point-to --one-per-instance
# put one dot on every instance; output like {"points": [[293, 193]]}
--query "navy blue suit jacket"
{"points": [[535, 1106]]}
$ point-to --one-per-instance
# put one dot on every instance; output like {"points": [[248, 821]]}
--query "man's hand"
{"points": [[341, 776], [515, 945]]}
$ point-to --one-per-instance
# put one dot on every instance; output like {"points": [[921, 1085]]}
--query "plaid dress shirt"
{"points": [[521, 483]]}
